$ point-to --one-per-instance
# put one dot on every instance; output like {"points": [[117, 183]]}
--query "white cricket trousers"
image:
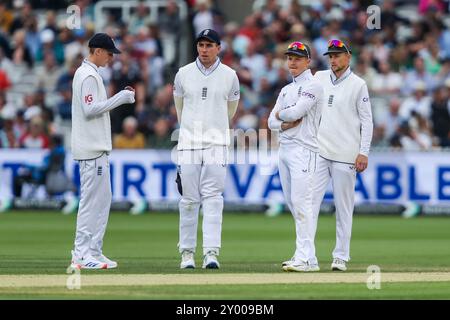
{"points": [[203, 175], [296, 167], [343, 179], [93, 211]]}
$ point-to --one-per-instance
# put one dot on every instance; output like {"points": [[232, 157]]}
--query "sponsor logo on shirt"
{"points": [[299, 91], [204, 93], [308, 95], [365, 99], [88, 99]]}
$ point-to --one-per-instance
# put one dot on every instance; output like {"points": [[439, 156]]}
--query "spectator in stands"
{"points": [[64, 107], [25, 11], [36, 136], [366, 72], [419, 73], [48, 73], [203, 16], [148, 46], [21, 53], [392, 121], [8, 139], [51, 22], [160, 139], [130, 138], [170, 26], [140, 18], [386, 82], [4, 80], [77, 46], [407, 138], [47, 113], [431, 55], [440, 115], [6, 18], [126, 72], [419, 102], [426, 6], [50, 44], [66, 77], [6, 64], [32, 39]]}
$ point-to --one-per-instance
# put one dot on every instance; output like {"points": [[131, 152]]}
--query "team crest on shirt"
{"points": [[330, 100]]}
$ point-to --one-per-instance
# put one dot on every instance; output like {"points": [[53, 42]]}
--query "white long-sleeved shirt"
{"points": [[346, 124], [91, 125], [303, 98]]}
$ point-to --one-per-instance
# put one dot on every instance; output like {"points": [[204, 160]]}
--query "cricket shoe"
{"points": [[298, 266], [285, 263], [314, 267], [210, 261], [109, 263], [187, 260], [338, 265], [88, 263]]}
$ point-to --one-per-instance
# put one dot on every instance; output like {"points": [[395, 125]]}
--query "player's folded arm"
{"points": [[306, 101], [274, 123]]}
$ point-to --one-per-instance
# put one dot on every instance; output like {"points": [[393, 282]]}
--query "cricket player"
{"points": [[297, 114], [91, 145], [206, 94], [345, 134]]}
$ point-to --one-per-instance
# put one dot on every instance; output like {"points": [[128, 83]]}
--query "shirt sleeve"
{"points": [[90, 98], [177, 87], [307, 100], [235, 92], [274, 123], [365, 116]]}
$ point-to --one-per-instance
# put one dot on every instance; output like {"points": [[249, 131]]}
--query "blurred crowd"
{"points": [[406, 64]]}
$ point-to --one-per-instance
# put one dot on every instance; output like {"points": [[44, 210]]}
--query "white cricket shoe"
{"points": [[314, 267], [110, 263], [187, 260], [88, 263], [298, 266], [210, 261], [338, 265], [285, 263]]}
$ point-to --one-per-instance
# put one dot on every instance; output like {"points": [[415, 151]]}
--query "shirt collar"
{"points": [[302, 75], [91, 64], [205, 70], [334, 79]]}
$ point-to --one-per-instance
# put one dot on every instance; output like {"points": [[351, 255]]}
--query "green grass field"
{"points": [[39, 243]]}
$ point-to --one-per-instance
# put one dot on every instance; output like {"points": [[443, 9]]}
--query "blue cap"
{"points": [[102, 40], [210, 35]]}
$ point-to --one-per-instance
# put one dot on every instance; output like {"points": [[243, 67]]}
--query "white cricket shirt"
{"points": [[91, 125], [302, 98], [205, 92]]}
